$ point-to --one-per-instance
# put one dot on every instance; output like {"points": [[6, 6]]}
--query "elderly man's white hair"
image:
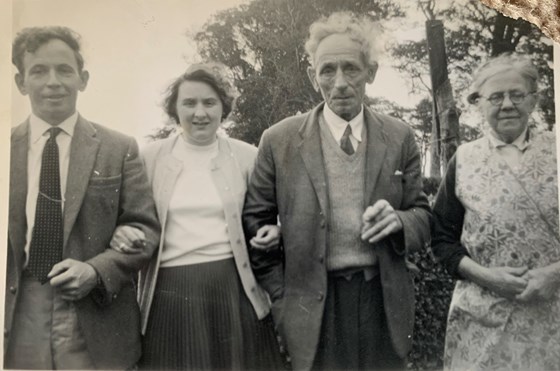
{"points": [[359, 28]]}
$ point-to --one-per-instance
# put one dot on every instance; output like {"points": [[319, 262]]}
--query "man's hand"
{"points": [[128, 240], [542, 284], [379, 221], [267, 237], [74, 279]]}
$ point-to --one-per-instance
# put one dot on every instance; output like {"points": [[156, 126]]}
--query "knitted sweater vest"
{"points": [[345, 181]]}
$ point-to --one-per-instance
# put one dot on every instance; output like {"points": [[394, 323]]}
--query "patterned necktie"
{"points": [[47, 237], [345, 142]]}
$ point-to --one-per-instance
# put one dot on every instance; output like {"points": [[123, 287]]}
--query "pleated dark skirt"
{"points": [[201, 319]]}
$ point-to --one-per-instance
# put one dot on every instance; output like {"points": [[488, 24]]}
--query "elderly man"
{"points": [[345, 184], [70, 300]]}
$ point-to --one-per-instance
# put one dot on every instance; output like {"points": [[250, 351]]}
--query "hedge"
{"points": [[433, 289]]}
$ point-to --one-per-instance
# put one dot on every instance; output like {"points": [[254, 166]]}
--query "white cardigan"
{"points": [[231, 171]]}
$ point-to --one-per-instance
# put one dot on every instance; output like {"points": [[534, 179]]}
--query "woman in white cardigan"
{"points": [[201, 306]]}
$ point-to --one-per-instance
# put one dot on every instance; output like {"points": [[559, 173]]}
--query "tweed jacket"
{"points": [[106, 187], [231, 171], [289, 182]]}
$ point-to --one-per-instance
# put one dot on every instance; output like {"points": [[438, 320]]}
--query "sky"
{"points": [[134, 48]]}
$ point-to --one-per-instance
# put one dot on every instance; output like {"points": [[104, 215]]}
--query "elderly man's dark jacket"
{"points": [[107, 186], [289, 182]]}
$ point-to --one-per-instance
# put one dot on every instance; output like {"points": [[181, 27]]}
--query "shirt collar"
{"points": [[337, 125], [38, 127], [521, 142]]}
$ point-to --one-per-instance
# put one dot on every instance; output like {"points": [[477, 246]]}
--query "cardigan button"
{"points": [[13, 290]]}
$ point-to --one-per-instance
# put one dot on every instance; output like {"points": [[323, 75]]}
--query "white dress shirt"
{"points": [[337, 125], [38, 136]]}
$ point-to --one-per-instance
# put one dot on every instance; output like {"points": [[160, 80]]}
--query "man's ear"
{"points": [[19, 82], [311, 75], [84, 76], [371, 71]]}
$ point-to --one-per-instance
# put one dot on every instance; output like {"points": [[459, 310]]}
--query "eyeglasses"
{"points": [[515, 96]]}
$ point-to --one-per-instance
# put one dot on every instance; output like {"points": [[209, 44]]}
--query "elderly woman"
{"points": [[496, 230], [199, 300]]}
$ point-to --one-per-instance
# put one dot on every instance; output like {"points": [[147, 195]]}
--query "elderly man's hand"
{"points": [[267, 237], [74, 279], [379, 221], [542, 284]]}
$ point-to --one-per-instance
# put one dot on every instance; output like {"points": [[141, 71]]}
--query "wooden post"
{"points": [[445, 127]]}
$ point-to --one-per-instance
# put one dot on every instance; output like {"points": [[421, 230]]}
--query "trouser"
{"points": [[45, 332], [354, 332]]}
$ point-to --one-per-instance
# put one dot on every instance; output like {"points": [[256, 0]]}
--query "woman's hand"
{"points": [[542, 284], [504, 281], [267, 237], [128, 240]]}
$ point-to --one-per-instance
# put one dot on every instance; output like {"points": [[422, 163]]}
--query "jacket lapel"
{"points": [[312, 155], [83, 152], [375, 153], [17, 222]]}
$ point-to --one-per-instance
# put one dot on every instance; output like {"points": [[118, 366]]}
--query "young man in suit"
{"points": [[345, 183], [70, 300]]}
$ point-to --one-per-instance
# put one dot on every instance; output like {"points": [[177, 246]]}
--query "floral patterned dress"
{"points": [[511, 219]]}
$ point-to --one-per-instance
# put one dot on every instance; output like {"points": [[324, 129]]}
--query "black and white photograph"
{"points": [[280, 185]]}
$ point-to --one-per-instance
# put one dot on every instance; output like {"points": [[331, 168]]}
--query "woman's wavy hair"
{"points": [[212, 73]]}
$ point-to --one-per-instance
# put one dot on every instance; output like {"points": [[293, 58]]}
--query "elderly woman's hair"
{"points": [[503, 63], [211, 73], [359, 28], [32, 38]]}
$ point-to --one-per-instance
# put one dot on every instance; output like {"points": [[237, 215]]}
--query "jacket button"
{"points": [[13, 290], [321, 259], [320, 296], [322, 224], [245, 265], [6, 332], [114, 296]]}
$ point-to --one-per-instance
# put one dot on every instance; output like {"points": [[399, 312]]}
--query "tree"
{"points": [[263, 44], [480, 33]]}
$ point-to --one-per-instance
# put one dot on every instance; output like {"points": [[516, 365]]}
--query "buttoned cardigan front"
{"points": [[231, 170]]}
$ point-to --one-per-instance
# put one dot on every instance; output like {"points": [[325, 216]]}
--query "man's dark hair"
{"points": [[32, 38]]}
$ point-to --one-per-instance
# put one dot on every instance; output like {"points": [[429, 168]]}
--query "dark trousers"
{"points": [[354, 333]]}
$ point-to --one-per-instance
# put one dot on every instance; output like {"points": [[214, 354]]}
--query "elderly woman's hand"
{"points": [[504, 281], [542, 284], [128, 240], [267, 237]]}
